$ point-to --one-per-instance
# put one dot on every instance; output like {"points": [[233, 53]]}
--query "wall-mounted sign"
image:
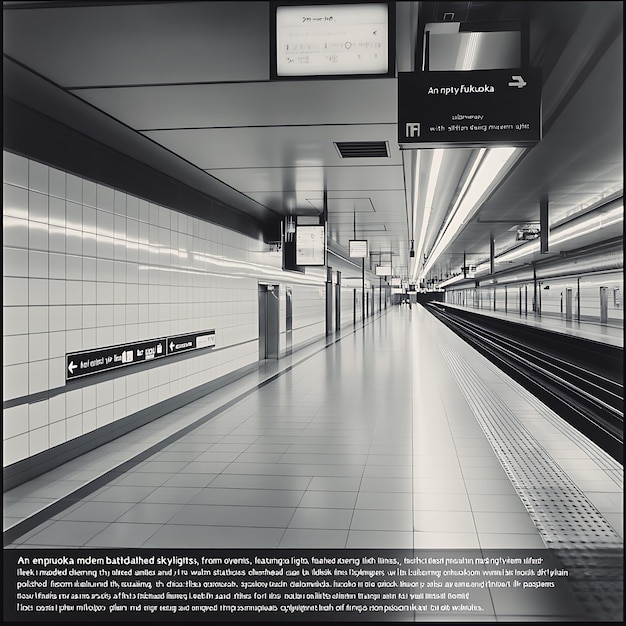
{"points": [[358, 248], [469, 108], [310, 245], [182, 343], [78, 364]]}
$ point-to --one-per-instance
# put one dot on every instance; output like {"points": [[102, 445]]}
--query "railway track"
{"points": [[582, 394]]}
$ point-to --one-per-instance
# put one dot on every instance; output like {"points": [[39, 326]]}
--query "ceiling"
{"points": [[193, 78]]}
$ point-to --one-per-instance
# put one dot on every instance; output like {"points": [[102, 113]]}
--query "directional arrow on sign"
{"points": [[518, 82], [172, 346], [72, 366]]}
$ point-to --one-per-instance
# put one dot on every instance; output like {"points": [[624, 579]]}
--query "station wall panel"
{"points": [[87, 266]]}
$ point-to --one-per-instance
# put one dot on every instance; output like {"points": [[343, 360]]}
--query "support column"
{"points": [[329, 300], [535, 292], [363, 289], [338, 302], [543, 224]]}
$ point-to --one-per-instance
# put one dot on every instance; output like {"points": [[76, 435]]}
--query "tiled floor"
{"points": [[378, 441]]}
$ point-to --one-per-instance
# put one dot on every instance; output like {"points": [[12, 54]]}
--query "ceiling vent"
{"points": [[362, 149]]}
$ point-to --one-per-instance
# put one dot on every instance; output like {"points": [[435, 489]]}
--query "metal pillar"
{"points": [[338, 302], [543, 225]]}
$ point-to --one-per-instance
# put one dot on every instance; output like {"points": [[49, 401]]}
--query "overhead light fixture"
{"points": [[581, 226], [416, 179], [468, 180], [586, 226], [470, 51], [491, 168], [433, 176]]}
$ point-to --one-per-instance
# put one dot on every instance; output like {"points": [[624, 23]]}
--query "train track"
{"points": [[589, 400]]}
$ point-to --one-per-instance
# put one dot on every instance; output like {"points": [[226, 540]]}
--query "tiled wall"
{"points": [[87, 266]]}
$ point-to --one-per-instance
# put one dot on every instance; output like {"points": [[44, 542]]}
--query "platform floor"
{"points": [[396, 435], [611, 334]]}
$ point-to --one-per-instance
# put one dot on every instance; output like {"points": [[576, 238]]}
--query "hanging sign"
{"points": [[310, 245], [469, 108]]}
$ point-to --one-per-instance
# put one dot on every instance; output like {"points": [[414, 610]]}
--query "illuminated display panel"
{"points": [[310, 245], [331, 40], [383, 270], [358, 248]]}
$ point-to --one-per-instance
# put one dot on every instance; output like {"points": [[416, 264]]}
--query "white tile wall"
{"points": [[87, 266]]}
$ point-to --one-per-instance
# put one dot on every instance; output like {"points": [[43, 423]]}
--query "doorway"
{"points": [[268, 321]]}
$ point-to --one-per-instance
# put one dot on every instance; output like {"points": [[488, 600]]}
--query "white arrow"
{"points": [[72, 366], [518, 82], [172, 346]]}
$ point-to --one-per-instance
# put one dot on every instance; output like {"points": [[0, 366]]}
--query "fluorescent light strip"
{"points": [[435, 167], [488, 172], [468, 180], [470, 51], [591, 225], [416, 176], [567, 232]]}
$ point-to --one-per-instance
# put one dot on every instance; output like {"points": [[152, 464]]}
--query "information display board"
{"points": [[383, 270], [469, 109], [331, 40], [310, 245], [79, 364], [358, 248]]}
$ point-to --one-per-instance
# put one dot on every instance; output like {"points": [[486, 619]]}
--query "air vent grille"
{"points": [[362, 149]]}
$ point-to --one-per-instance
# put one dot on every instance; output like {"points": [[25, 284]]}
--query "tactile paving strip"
{"points": [[560, 510], [570, 525]]}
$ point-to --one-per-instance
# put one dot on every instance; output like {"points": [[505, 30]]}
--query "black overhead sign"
{"points": [[469, 109], [80, 364]]}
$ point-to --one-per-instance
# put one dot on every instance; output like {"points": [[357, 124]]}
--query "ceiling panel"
{"points": [[142, 43], [276, 146], [193, 77], [348, 178], [271, 103]]}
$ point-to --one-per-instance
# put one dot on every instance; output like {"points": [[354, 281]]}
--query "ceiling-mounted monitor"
{"points": [[358, 248], [310, 245], [319, 39]]}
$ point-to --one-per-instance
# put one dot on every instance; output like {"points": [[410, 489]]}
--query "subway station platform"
{"points": [[610, 334], [395, 434]]}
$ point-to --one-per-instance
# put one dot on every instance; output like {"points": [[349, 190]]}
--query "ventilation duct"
{"points": [[362, 149]]}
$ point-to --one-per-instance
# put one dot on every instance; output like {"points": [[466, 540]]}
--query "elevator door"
{"points": [[268, 322]]}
